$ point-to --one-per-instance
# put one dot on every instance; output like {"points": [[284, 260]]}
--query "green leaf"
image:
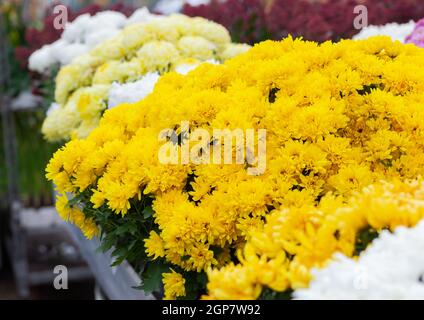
{"points": [[122, 229], [120, 254], [363, 238], [147, 212], [195, 285], [152, 276], [73, 201], [107, 244], [269, 294]]}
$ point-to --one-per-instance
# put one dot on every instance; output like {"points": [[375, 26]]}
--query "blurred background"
{"points": [[33, 240]]}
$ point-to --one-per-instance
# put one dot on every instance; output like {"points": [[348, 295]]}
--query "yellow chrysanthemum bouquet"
{"points": [[161, 45], [278, 258], [338, 118]]}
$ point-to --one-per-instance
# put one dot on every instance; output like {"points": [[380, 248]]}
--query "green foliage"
{"points": [[33, 154], [195, 285], [269, 294], [363, 238], [14, 28], [152, 276], [125, 235]]}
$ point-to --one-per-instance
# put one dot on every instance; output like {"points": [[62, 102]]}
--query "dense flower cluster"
{"points": [[417, 35], [135, 91], [173, 283], [83, 34], [37, 37], [252, 21], [396, 31], [75, 215], [338, 117], [244, 19], [161, 45], [132, 91], [295, 239], [173, 6], [391, 268]]}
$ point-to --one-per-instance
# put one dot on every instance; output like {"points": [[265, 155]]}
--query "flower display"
{"points": [[37, 37], [338, 117], [174, 285], [391, 268], [252, 21], [245, 19], [279, 257], [162, 45], [396, 31], [76, 216], [135, 91], [83, 34], [132, 91], [174, 6], [417, 35]]}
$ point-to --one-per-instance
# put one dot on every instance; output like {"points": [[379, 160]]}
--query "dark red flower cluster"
{"points": [[256, 20], [245, 19], [36, 38]]}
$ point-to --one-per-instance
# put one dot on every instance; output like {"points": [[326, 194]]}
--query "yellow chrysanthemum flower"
{"points": [[154, 246], [282, 253], [155, 46], [338, 117], [174, 285]]}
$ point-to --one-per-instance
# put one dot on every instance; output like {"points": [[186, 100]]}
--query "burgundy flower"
{"points": [[22, 54], [252, 21]]}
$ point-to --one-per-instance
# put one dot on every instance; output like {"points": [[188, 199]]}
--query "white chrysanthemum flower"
{"points": [[83, 34], [133, 91], [74, 30], [92, 39], [391, 268], [68, 53], [106, 19], [141, 15], [83, 25], [169, 6], [40, 60], [172, 6], [395, 31], [25, 100]]}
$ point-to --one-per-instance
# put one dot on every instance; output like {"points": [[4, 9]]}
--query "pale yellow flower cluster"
{"points": [[160, 45]]}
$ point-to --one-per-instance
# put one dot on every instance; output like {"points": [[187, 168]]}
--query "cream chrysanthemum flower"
{"points": [[154, 46], [197, 47]]}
